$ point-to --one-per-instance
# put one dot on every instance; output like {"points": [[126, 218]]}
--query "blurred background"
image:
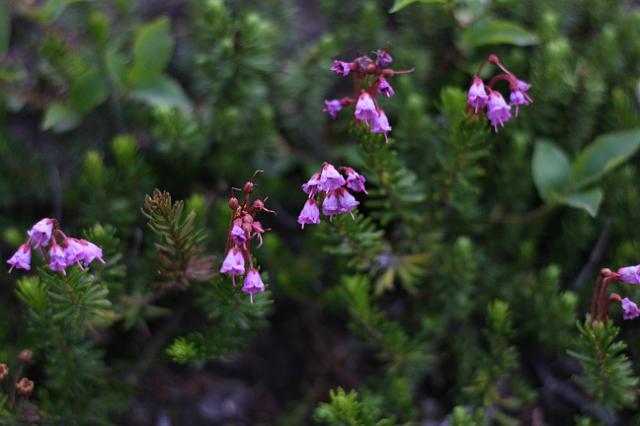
{"points": [[452, 298]]}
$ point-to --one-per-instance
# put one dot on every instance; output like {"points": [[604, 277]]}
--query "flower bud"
{"points": [[25, 356], [248, 187], [233, 203]]}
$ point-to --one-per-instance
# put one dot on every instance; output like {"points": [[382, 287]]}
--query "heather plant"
{"points": [[429, 189]]}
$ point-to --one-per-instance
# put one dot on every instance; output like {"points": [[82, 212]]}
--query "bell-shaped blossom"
{"points": [[365, 108], [346, 201], [341, 67], [383, 59], [252, 283], [73, 251], [40, 233], [330, 206], [355, 181], [517, 98], [477, 96], [498, 111], [233, 263], [21, 259], [629, 274], [238, 235], [522, 85], [310, 214], [330, 178], [380, 124], [385, 88], [629, 309], [90, 252], [332, 107], [311, 187], [57, 258]]}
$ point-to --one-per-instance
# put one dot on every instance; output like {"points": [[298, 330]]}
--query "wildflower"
{"points": [[383, 59], [630, 274], [522, 85], [380, 124], [21, 259], [312, 184], [355, 181], [498, 111], [346, 201], [332, 107], [330, 179], [40, 233], [310, 213], [330, 205], [365, 108], [477, 96], [25, 387], [72, 251], [90, 252], [238, 235], [629, 309], [252, 283], [57, 258], [385, 88], [341, 68], [25, 356], [233, 263], [258, 230], [371, 80]]}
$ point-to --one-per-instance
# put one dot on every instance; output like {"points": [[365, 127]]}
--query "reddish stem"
{"points": [[594, 297]]}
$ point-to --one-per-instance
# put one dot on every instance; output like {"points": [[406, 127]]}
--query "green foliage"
{"points": [[346, 409], [179, 243], [608, 374]]}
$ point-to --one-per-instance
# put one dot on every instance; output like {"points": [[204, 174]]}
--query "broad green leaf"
{"points": [[51, 10], [495, 31], [162, 92], [116, 69], [550, 167], [401, 4], [588, 200], [5, 28], [604, 154], [152, 48], [60, 118], [88, 91]]}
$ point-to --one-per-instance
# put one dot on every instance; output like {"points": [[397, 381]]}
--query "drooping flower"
{"points": [[341, 67], [629, 309], [346, 201], [332, 107], [21, 259], [498, 111], [477, 95], [73, 251], [90, 252], [310, 214], [355, 181], [330, 178], [40, 233], [312, 184], [363, 63], [233, 263], [522, 85], [238, 235], [365, 108], [57, 258], [252, 283], [383, 59], [630, 274], [385, 88], [380, 124], [330, 205]]}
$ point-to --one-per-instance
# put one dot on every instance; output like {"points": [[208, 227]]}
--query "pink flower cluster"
{"points": [[63, 251], [330, 188], [371, 79], [242, 230], [498, 111]]}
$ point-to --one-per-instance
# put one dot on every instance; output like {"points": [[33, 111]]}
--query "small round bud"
{"points": [[615, 297], [248, 187], [247, 218], [4, 371], [233, 203], [258, 204], [605, 272], [25, 356], [25, 387]]}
